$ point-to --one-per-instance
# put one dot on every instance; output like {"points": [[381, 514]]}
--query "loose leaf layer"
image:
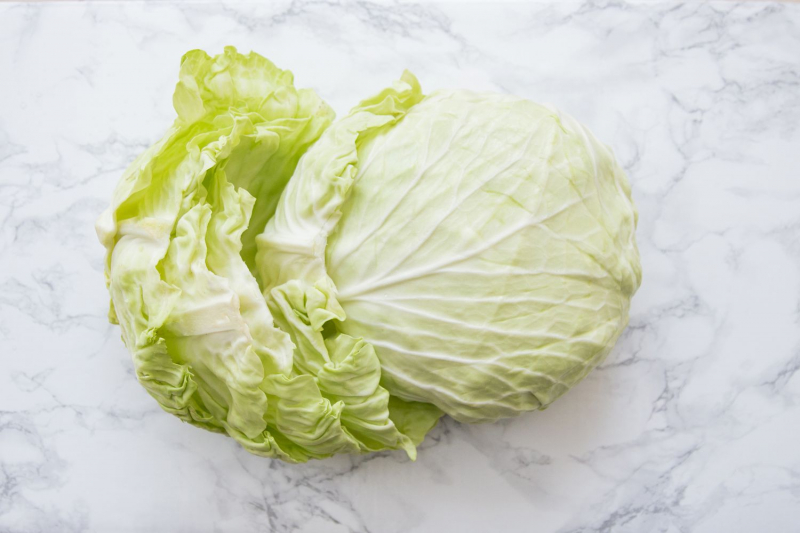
{"points": [[180, 239]]}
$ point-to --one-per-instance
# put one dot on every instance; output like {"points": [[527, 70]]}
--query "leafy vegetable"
{"points": [[459, 253], [481, 244], [180, 240]]}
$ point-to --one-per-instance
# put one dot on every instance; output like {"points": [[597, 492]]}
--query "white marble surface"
{"points": [[692, 424]]}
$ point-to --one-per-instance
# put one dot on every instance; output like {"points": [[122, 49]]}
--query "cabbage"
{"points": [[480, 244], [312, 288], [180, 240]]}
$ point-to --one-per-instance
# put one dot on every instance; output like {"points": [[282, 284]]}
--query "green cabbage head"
{"points": [[312, 288], [482, 245]]}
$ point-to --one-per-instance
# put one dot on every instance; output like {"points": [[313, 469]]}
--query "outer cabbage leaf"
{"points": [[482, 244], [180, 238]]}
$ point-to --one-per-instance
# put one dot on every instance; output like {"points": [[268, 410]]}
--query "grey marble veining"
{"points": [[692, 423]]}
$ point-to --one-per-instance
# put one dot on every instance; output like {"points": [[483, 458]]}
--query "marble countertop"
{"points": [[693, 422]]}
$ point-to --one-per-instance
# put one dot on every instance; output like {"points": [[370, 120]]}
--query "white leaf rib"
{"points": [[364, 288], [459, 323], [458, 400], [578, 275], [479, 300], [472, 363], [502, 333], [538, 351]]}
